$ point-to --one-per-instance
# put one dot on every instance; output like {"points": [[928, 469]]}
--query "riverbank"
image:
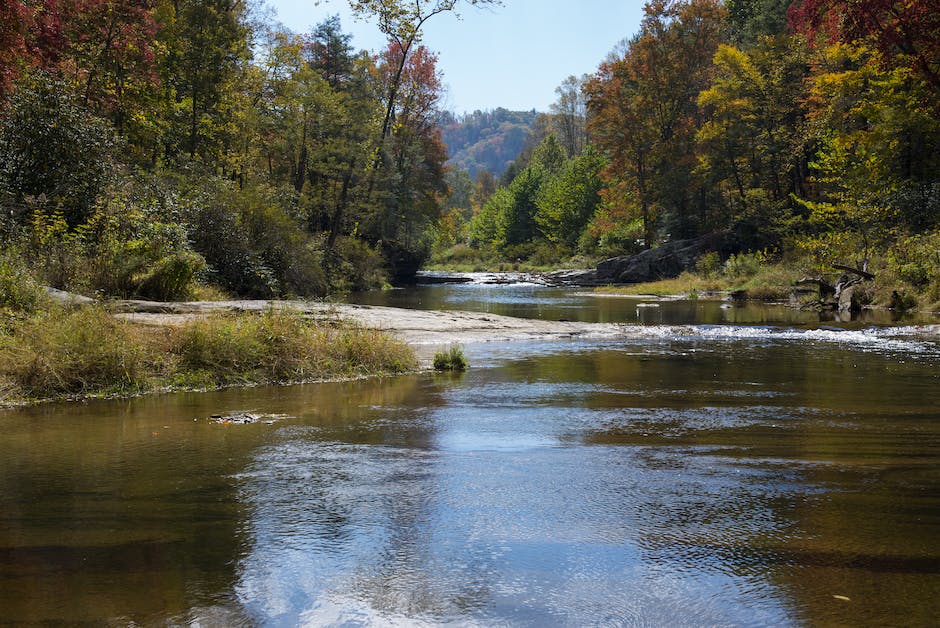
{"points": [[79, 350], [89, 351]]}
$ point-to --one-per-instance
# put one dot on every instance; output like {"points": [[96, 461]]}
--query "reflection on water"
{"points": [[692, 475], [584, 305]]}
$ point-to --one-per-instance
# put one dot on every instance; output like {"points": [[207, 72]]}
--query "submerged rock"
{"points": [[244, 418]]}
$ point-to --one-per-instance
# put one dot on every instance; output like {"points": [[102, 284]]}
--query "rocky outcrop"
{"points": [[663, 262], [846, 295]]}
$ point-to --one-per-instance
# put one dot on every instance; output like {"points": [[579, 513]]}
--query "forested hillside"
{"points": [[486, 140]]}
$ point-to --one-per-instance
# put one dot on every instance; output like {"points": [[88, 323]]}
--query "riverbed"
{"points": [[708, 464]]}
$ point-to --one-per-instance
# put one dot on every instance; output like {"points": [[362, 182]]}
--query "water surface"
{"points": [[701, 473]]}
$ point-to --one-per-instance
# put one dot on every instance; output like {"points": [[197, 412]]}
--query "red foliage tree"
{"points": [[907, 31]]}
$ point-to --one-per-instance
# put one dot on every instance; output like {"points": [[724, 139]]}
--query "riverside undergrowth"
{"points": [[58, 353]]}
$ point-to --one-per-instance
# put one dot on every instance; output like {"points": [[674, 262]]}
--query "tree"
{"points": [[415, 173], [318, 108], [401, 21], [207, 47], [643, 111], [752, 19], [905, 32], [570, 115], [567, 202], [52, 147], [879, 148], [754, 144], [331, 52]]}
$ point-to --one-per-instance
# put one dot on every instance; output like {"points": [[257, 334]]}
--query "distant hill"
{"points": [[486, 140]]}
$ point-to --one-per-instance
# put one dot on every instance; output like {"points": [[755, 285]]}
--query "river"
{"points": [[719, 465]]}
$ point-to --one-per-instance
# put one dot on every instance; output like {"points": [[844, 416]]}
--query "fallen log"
{"points": [[849, 269]]}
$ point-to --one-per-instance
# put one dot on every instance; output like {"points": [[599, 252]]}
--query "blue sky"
{"points": [[512, 56]]}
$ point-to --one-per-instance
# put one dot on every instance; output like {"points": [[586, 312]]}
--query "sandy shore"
{"points": [[423, 329]]}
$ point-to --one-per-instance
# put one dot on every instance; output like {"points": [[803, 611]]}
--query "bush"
{"points": [[452, 359], [916, 259], [19, 292], [52, 147], [171, 278], [708, 265], [354, 265], [217, 233], [63, 352], [745, 264]]}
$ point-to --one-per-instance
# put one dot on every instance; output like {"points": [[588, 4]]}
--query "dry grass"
{"points": [[58, 353], [685, 284], [86, 352]]}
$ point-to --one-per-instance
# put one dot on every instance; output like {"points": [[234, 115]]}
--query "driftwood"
{"points": [[841, 296], [864, 274]]}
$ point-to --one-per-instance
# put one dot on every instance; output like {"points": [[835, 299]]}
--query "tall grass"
{"points": [[86, 352], [59, 352]]}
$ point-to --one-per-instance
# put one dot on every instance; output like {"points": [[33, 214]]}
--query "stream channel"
{"points": [[719, 465]]}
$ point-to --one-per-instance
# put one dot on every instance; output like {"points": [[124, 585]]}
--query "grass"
{"points": [[451, 359], [61, 354], [685, 284], [750, 273]]}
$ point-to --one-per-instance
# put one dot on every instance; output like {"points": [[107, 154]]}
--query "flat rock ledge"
{"points": [[423, 329]]}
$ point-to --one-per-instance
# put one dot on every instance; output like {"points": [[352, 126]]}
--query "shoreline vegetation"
{"points": [[57, 346], [62, 354]]}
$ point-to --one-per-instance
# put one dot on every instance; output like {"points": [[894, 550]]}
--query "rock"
{"points": [[428, 279], [848, 299], [573, 278], [663, 262], [245, 418], [67, 298]]}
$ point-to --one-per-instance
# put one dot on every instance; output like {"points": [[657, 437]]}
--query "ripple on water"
{"points": [[386, 536]]}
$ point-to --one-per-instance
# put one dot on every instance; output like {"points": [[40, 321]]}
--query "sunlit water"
{"points": [[755, 471]]}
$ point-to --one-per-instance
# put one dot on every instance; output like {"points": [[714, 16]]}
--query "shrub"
{"points": [[745, 264], [547, 254], [451, 359], [52, 146], [709, 264], [354, 265], [19, 292], [72, 352], [171, 278], [217, 233]]}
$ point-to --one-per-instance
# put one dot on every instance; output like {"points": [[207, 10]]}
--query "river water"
{"points": [[720, 466]]}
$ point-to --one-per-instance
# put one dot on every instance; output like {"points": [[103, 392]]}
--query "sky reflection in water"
{"points": [[744, 474]]}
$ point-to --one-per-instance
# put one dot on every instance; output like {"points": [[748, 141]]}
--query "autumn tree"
{"points": [[643, 112], [904, 32], [401, 21], [414, 175], [754, 144], [879, 148], [207, 47]]}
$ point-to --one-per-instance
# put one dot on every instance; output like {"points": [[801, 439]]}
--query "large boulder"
{"points": [[665, 261]]}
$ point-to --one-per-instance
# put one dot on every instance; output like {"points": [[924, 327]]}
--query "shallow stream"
{"points": [[723, 466]]}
